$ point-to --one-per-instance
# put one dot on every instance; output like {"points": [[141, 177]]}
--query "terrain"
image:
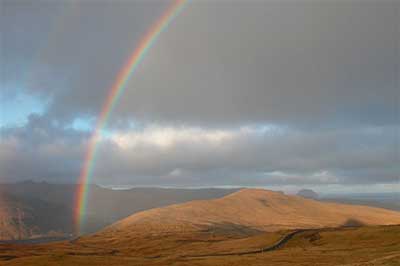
{"points": [[381, 200], [254, 209], [352, 246], [308, 193], [21, 218], [10, 219], [39, 209], [248, 227]]}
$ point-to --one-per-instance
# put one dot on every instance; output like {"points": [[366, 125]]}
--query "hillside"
{"points": [[352, 246], [11, 226], [29, 209], [107, 206], [22, 218], [250, 209], [238, 229]]}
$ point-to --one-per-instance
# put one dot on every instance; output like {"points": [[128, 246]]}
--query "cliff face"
{"points": [[27, 218], [29, 209], [15, 220]]}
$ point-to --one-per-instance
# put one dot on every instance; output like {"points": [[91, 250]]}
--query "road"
{"points": [[275, 246]]}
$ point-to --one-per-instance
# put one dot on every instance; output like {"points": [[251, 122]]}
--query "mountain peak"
{"points": [[257, 209], [255, 191], [308, 193]]}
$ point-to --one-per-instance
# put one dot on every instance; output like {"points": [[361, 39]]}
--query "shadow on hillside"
{"points": [[353, 223], [230, 229]]}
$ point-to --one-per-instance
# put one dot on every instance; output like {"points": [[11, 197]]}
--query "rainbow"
{"points": [[113, 96]]}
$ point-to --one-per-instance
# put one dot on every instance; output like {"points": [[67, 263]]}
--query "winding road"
{"points": [[280, 243]]}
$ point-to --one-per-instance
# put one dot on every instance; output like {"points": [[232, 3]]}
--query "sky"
{"points": [[263, 93]]}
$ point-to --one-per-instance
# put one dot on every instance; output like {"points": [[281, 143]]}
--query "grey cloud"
{"points": [[327, 71], [69, 51], [327, 62], [41, 151], [349, 156], [187, 156], [290, 63]]}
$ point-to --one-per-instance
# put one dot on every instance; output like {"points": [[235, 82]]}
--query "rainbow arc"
{"points": [[112, 99]]}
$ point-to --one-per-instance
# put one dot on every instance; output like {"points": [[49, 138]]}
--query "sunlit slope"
{"points": [[253, 208], [22, 218], [47, 208], [15, 219], [361, 246]]}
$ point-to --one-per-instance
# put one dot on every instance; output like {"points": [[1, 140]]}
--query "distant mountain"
{"points": [[247, 227], [245, 211], [389, 200], [106, 206], [22, 218], [11, 216], [45, 208], [37, 209], [30, 209], [308, 193]]}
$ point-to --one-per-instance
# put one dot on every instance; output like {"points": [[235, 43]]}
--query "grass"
{"points": [[361, 246]]}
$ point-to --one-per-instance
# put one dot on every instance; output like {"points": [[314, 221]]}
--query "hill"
{"points": [[345, 246], [107, 206], [22, 218], [247, 227], [10, 219], [38, 209], [250, 209], [308, 193]]}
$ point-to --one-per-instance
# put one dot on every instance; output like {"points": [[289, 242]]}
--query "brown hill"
{"points": [[22, 218], [12, 219], [205, 232], [52, 204], [361, 246], [251, 209]]}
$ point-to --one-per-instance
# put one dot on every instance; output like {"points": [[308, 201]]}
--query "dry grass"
{"points": [[251, 208], [378, 245], [178, 234]]}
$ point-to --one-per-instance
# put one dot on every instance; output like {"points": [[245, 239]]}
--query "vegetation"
{"points": [[355, 246]]}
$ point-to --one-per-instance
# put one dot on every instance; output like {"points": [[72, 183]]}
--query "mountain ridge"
{"points": [[258, 209]]}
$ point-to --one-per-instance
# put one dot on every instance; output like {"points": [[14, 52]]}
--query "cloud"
{"points": [[272, 63], [194, 156], [256, 93], [251, 155], [218, 63], [167, 137], [40, 151]]}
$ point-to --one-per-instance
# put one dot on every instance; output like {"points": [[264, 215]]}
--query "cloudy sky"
{"points": [[263, 93]]}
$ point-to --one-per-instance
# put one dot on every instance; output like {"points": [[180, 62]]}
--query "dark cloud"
{"points": [[275, 62], [40, 150], [248, 156], [69, 51], [196, 156], [232, 63], [324, 75]]}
